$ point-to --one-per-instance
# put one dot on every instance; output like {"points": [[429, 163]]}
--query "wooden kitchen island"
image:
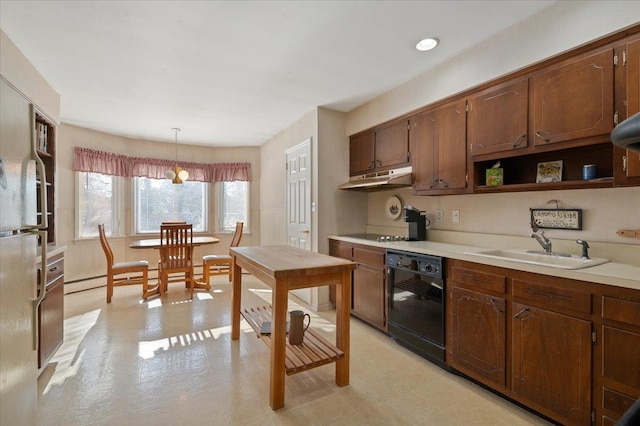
{"points": [[285, 268]]}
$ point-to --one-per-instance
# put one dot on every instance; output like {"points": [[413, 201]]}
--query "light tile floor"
{"points": [[171, 361]]}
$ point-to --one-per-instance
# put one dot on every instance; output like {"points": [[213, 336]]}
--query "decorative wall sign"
{"points": [[557, 218]]}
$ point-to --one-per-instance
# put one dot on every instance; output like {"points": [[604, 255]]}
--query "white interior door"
{"points": [[299, 195], [298, 166]]}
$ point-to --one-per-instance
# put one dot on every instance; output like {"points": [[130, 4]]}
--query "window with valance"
{"points": [[90, 160]]}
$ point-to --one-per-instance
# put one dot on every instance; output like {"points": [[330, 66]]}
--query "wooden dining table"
{"points": [[155, 243], [285, 268]]}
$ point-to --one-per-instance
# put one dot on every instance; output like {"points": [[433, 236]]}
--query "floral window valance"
{"points": [[89, 160]]}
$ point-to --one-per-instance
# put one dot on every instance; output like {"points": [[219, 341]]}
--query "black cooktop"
{"points": [[372, 237]]}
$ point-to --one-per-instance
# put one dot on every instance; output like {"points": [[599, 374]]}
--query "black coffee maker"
{"points": [[418, 223]]}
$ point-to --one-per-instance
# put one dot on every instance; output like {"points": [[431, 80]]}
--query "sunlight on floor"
{"points": [[171, 360]]}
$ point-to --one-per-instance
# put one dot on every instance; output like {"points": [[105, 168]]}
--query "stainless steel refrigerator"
{"points": [[19, 232]]}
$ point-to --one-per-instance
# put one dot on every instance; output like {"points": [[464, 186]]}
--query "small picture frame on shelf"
{"points": [[550, 171]]}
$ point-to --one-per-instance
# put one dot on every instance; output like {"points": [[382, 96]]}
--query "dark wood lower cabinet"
{"points": [[568, 349], [551, 362], [478, 322], [369, 294], [620, 352], [369, 291], [51, 311]]}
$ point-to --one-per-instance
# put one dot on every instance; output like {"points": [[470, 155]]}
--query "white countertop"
{"points": [[612, 273]]}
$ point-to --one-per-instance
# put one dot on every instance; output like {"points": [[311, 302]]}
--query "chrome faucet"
{"points": [[544, 241], [585, 248]]}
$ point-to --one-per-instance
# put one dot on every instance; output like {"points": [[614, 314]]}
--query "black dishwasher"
{"points": [[416, 303]]}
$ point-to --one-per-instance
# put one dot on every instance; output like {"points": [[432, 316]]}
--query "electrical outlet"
{"points": [[455, 216], [439, 216]]}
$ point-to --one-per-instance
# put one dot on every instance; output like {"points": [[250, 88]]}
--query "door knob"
{"points": [[305, 231]]}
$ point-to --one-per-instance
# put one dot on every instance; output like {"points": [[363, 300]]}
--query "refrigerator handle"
{"points": [[44, 217], [42, 285]]}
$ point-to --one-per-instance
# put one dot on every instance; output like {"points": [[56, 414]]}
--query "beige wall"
{"points": [[556, 29], [336, 211], [85, 258], [21, 74], [274, 177], [339, 212]]}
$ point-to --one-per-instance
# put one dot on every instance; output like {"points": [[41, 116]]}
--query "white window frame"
{"points": [[117, 207], [134, 209], [220, 197]]}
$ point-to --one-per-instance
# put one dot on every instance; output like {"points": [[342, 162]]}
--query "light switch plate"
{"points": [[455, 216]]}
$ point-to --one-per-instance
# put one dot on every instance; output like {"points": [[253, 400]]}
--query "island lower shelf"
{"points": [[313, 352]]}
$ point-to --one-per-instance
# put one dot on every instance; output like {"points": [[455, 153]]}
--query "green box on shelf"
{"points": [[495, 177]]}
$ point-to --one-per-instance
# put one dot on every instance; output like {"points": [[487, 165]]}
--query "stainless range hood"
{"points": [[380, 180]]}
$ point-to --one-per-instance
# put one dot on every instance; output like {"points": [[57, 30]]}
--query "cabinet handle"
{"points": [[444, 184], [55, 268], [495, 306], [517, 140], [433, 183], [521, 312], [542, 136]]}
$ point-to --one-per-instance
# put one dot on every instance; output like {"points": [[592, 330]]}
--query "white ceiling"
{"points": [[236, 73]]}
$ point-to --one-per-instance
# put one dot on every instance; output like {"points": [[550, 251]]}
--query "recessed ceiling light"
{"points": [[427, 44]]}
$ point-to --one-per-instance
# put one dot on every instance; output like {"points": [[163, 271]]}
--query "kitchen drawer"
{"points": [[479, 279], [619, 365], [617, 402], [553, 296], [625, 311], [368, 256], [55, 268], [340, 249]]}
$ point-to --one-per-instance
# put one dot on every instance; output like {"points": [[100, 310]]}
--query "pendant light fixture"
{"points": [[176, 174]]}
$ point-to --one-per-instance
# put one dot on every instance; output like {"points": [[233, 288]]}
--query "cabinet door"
{"points": [[498, 119], [551, 362], [50, 321], [368, 294], [574, 100], [440, 144], [338, 249], [632, 160], [392, 145], [362, 153], [476, 341], [452, 146], [423, 160]]}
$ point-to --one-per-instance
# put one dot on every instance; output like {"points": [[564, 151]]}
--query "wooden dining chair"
{"points": [[219, 264], [124, 273], [176, 255]]}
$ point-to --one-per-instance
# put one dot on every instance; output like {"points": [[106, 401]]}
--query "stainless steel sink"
{"points": [[553, 260]]}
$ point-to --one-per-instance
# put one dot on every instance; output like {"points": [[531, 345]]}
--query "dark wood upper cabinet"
{"points": [[380, 149], [362, 153], [392, 145], [574, 100], [627, 163], [498, 118], [440, 150]]}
